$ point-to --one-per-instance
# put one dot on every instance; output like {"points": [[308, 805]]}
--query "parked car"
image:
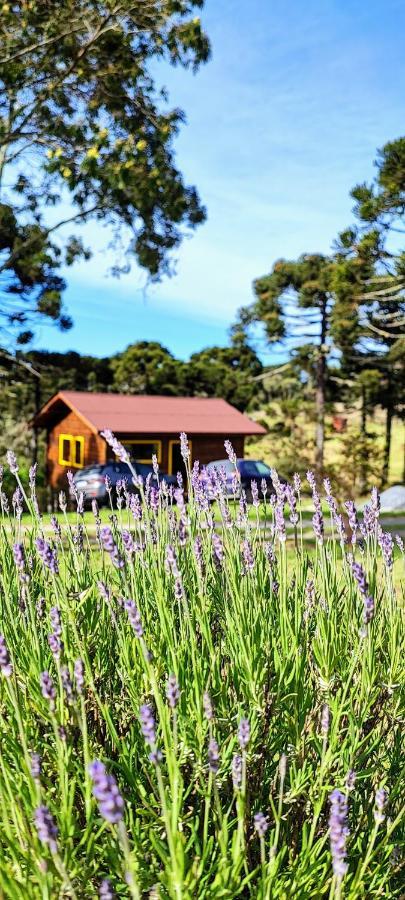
{"points": [[91, 480], [248, 470]]}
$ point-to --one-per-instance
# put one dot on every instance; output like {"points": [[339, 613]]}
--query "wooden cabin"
{"points": [[145, 425]]}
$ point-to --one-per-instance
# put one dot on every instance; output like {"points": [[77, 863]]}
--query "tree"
{"points": [[226, 372], [82, 118], [294, 302], [147, 368], [369, 320]]}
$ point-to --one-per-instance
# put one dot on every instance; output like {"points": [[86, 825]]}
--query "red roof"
{"points": [[124, 414]]}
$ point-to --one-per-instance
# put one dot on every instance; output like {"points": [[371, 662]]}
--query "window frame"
{"points": [[73, 440], [156, 441]]}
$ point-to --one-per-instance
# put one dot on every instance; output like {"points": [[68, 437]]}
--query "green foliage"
{"points": [[147, 368], [383, 201], [226, 372], [80, 109]]}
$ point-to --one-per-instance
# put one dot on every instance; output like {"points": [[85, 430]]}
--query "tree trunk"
{"points": [[320, 392], [387, 446], [37, 408], [363, 432]]}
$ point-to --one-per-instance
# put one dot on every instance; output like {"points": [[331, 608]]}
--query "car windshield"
{"points": [[224, 464], [90, 470], [253, 468]]}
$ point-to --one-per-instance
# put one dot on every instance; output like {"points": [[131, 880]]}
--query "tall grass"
{"points": [[186, 712]]}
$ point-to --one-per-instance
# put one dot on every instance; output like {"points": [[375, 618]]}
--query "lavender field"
{"points": [[192, 711]]}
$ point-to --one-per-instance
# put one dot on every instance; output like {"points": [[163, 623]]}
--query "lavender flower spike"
{"points": [[36, 766], [380, 803], [105, 890], [46, 828], [213, 756], [172, 691], [106, 792], [115, 445], [184, 448], [237, 771], [134, 617], [5, 662], [48, 688], [338, 832], [261, 824], [12, 462], [243, 733], [149, 732]]}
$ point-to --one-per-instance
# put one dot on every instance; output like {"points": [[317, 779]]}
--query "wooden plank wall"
{"points": [[94, 448]]}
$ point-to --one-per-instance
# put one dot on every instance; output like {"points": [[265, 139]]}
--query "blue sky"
{"points": [[281, 123]]}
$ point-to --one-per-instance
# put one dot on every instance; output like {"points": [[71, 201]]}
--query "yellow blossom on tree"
{"points": [[66, 172], [142, 144], [92, 153]]}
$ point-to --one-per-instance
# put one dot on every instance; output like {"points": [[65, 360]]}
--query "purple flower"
{"points": [[46, 828], [172, 691], [66, 683], [386, 543], [32, 474], [350, 780], [218, 550], [35, 766], [400, 542], [106, 792], [171, 561], [325, 717], [380, 803], [297, 483], [207, 706], [48, 688], [213, 756], [54, 639], [237, 771], [198, 555], [230, 452], [109, 545], [184, 448], [149, 732], [261, 823], [62, 501], [368, 601], [353, 520], [5, 661], [248, 558], [279, 520], [292, 502], [17, 503], [105, 891], [338, 832], [255, 493], [134, 617], [115, 445], [78, 671], [19, 556], [148, 724], [317, 524], [243, 733], [47, 555], [12, 462]]}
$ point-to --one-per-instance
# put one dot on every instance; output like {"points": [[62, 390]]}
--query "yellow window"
{"points": [[71, 450]]}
